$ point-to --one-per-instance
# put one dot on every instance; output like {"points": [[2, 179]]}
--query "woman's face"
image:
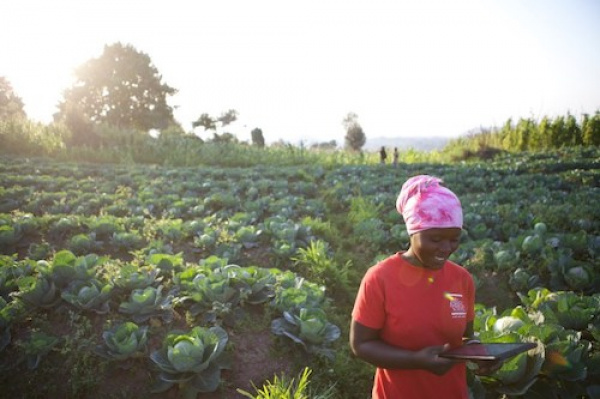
{"points": [[431, 248]]}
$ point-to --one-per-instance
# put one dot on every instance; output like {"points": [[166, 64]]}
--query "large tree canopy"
{"points": [[121, 88], [11, 105], [355, 136]]}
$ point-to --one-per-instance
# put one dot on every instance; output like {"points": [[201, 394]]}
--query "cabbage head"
{"points": [[123, 341], [309, 328], [91, 295], [578, 278], [148, 302], [193, 360], [505, 259], [540, 229], [507, 324], [532, 244]]}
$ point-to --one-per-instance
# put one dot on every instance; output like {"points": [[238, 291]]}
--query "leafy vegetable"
{"points": [[37, 346], [37, 292], [308, 328], [88, 295], [192, 360], [148, 302], [123, 341], [132, 277]]}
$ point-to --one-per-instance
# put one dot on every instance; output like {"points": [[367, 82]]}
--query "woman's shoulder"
{"points": [[386, 265], [457, 269]]}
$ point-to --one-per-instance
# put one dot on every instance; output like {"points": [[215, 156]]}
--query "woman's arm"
{"points": [[365, 344]]}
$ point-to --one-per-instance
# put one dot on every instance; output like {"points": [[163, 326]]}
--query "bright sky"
{"points": [[296, 68]]}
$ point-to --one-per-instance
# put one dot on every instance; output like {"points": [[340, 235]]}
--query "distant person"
{"points": [[382, 155], [396, 155]]}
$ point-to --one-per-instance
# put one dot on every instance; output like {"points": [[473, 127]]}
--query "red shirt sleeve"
{"points": [[369, 309]]}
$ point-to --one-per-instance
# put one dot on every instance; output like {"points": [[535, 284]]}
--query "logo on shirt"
{"points": [[457, 307]]}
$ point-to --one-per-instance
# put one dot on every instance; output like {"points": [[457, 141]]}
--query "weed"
{"points": [[84, 367], [284, 388]]}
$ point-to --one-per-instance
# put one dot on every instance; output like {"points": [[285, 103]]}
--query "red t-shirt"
{"points": [[413, 308]]}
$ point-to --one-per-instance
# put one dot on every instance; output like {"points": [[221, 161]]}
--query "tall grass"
{"points": [[19, 136], [22, 137], [285, 388]]}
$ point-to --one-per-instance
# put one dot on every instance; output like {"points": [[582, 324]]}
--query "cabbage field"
{"points": [[143, 281]]}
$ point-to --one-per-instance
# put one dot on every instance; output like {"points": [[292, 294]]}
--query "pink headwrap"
{"points": [[424, 204]]}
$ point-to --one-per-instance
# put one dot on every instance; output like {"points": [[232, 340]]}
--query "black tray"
{"points": [[490, 351]]}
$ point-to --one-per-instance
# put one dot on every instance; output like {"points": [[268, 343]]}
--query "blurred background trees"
{"points": [[257, 137], [121, 89], [355, 136], [11, 105]]}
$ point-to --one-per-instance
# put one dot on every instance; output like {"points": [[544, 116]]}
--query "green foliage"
{"points": [[123, 341], [11, 105], [148, 302], [591, 129], [84, 372], [294, 293], [281, 388], [310, 329], [255, 285], [9, 313], [127, 241], [253, 212], [355, 137], [257, 137], [37, 292], [37, 346], [82, 244], [130, 277], [317, 264], [192, 360], [362, 209], [120, 88], [65, 267], [19, 136], [529, 135], [214, 298], [89, 295], [565, 308]]}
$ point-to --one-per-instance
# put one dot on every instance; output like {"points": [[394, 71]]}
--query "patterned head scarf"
{"points": [[425, 204]]}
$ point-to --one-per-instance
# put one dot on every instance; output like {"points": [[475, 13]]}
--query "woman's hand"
{"points": [[431, 361]]}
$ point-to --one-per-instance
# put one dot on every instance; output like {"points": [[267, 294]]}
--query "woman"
{"points": [[416, 304]]}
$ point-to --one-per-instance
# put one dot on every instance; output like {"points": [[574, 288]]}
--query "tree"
{"points": [[573, 134], [206, 122], [257, 137], [326, 145], [558, 136], [539, 138], [522, 134], [355, 136], [591, 129], [210, 123], [11, 105], [121, 88]]}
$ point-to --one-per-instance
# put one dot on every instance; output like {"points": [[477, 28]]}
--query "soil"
{"points": [[494, 291], [253, 363]]}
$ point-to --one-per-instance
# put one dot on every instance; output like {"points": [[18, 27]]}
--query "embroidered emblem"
{"points": [[457, 307]]}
